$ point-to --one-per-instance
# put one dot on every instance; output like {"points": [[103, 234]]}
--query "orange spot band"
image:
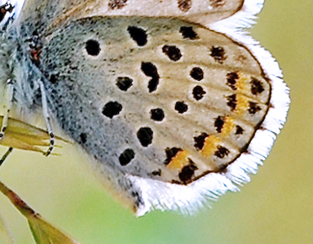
{"points": [[242, 104], [228, 126], [179, 161], [210, 145]]}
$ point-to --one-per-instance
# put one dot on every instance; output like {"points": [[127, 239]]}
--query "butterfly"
{"points": [[172, 102]]}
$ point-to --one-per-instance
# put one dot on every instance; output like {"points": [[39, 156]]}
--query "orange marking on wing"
{"points": [[179, 161], [241, 83], [228, 126], [242, 104], [210, 145]]}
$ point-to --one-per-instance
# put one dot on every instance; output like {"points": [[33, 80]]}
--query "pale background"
{"points": [[276, 207]]}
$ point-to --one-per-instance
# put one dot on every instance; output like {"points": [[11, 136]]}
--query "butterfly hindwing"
{"points": [[140, 94]]}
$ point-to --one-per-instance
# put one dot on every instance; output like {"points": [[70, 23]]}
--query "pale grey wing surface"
{"points": [[49, 15], [154, 98]]}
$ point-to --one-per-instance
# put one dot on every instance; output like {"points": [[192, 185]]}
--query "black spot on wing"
{"points": [[112, 109], [239, 130], [139, 35], [117, 4], [221, 152], [187, 173], [188, 33], [181, 107], [150, 70], [126, 157], [153, 84], [93, 47], [200, 140], [219, 123], [232, 78], [170, 154], [83, 138], [124, 83], [218, 53], [157, 114], [184, 5], [145, 136], [253, 108], [256, 86], [172, 52], [197, 73], [232, 102], [156, 172], [198, 92]]}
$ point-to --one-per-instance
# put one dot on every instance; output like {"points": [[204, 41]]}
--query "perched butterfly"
{"points": [[173, 104]]}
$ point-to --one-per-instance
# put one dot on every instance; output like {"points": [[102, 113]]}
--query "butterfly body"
{"points": [[160, 104]]}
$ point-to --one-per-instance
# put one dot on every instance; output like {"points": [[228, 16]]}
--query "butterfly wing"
{"points": [[172, 113], [154, 98], [47, 15]]}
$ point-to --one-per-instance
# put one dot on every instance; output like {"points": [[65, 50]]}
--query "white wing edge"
{"points": [[188, 199]]}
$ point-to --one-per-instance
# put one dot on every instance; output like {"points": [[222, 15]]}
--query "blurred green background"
{"points": [[276, 207]]}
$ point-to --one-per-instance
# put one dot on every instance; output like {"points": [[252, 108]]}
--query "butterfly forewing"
{"points": [[47, 15], [161, 98]]}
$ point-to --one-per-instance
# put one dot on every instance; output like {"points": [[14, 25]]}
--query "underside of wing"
{"points": [[48, 15], [163, 103]]}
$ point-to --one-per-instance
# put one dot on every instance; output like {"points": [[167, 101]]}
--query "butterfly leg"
{"points": [[47, 118], [8, 106]]}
